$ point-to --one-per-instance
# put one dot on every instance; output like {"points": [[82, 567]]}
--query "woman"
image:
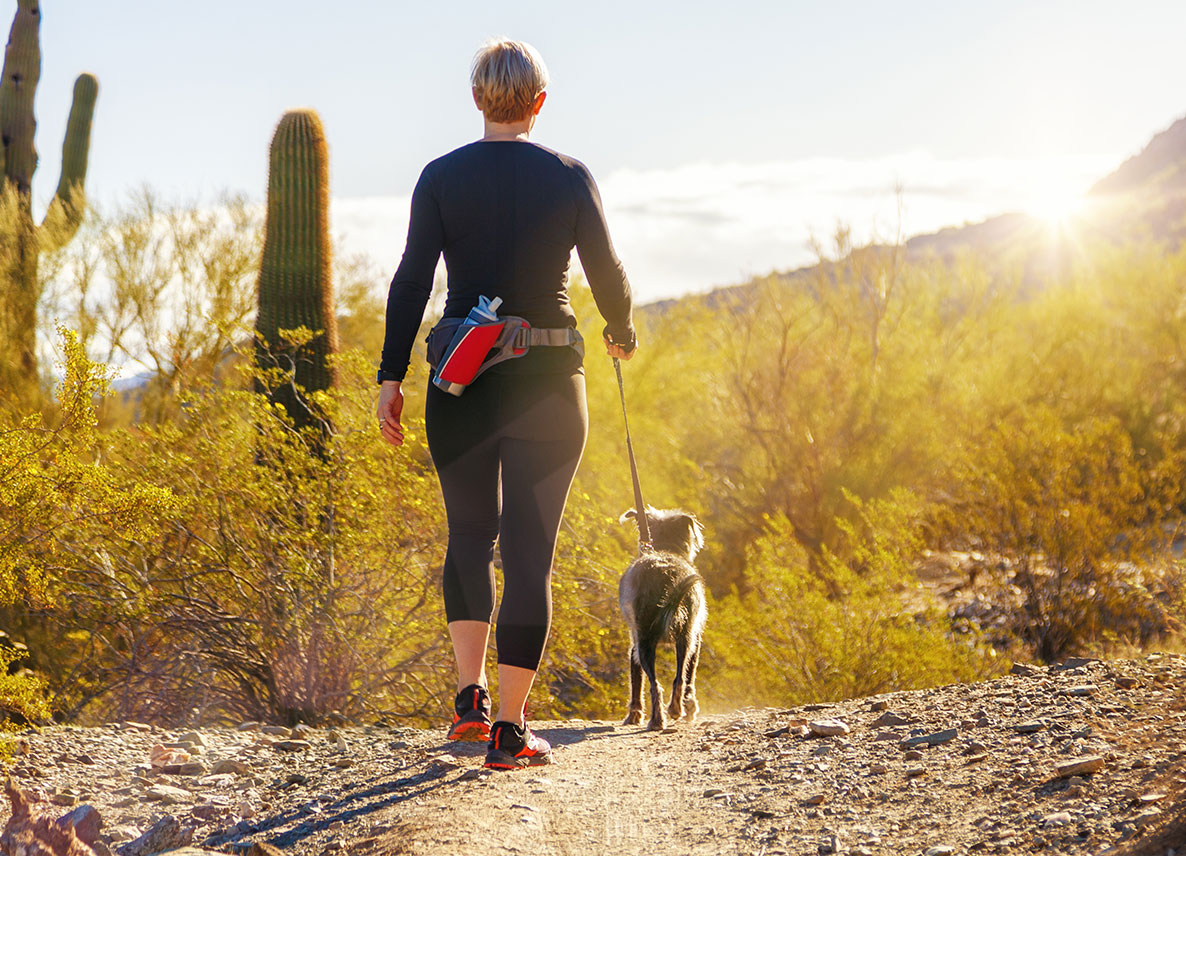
{"points": [[506, 213]]}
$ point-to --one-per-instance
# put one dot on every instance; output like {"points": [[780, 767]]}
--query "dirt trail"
{"points": [[1085, 758]]}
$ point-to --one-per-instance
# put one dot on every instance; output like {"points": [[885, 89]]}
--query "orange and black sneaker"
{"points": [[471, 717], [515, 746]]}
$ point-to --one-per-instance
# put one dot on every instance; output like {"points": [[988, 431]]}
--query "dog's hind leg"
{"points": [[646, 657], [691, 705], [634, 711], [676, 707]]}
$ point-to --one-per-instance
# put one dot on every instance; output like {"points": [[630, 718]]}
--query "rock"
{"points": [[190, 769], [914, 755], [248, 726], [1024, 670], [1147, 818], [888, 736], [975, 748], [930, 740], [818, 799], [85, 759], [300, 731], [193, 737], [168, 795], [890, 719], [940, 850], [291, 744], [712, 792], [755, 764], [136, 726], [86, 821], [1080, 766], [1150, 797], [916, 771], [167, 834], [265, 848], [1029, 727], [162, 756], [879, 706], [209, 811], [828, 727], [64, 798], [1057, 820], [230, 767], [343, 762], [446, 762], [23, 747], [275, 730], [1126, 682]]}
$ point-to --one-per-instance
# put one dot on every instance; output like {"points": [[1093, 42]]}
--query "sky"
{"points": [[724, 136]]}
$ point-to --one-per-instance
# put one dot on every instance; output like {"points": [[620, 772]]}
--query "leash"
{"points": [[644, 529]]}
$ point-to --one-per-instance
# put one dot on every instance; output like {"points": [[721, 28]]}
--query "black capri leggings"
{"points": [[506, 452]]}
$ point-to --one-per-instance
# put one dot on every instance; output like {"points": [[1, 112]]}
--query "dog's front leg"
{"points": [[634, 711]]}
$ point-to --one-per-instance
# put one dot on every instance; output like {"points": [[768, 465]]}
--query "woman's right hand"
{"points": [[617, 350], [391, 406]]}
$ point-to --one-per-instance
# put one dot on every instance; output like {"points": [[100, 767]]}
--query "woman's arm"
{"points": [[603, 269]]}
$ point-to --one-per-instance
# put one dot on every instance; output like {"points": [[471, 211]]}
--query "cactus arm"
{"points": [[22, 70], [69, 202]]}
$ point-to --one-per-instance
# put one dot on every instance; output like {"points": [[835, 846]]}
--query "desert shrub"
{"points": [[836, 624], [289, 585], [1071, 514]]}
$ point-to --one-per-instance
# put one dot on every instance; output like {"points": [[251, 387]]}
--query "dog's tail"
{"points": [[671, 603]]}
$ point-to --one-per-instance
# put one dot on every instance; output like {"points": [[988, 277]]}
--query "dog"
{"points": [[663, 598]]}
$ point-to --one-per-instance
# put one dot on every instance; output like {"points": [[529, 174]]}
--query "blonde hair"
{"points": [[507, 76]]}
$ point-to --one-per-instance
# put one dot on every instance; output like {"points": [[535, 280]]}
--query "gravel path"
{"points": [[1083, 759]]}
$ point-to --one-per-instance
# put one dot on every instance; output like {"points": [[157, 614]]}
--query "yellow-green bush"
{"points": [[823, 626]]}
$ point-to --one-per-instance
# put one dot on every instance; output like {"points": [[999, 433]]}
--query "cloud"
{"points": [[702, 225]]}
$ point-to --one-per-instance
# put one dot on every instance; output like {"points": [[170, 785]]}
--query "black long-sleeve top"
{"points": [[506, 215]]}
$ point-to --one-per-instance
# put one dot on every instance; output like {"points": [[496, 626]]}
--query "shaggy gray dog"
{"points": [[663, 599]]}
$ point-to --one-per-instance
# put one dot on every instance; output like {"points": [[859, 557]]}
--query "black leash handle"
{"points": [[644, 529]]}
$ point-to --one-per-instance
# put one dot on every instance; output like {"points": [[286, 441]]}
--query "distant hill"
{"points": [[1145, 198]]}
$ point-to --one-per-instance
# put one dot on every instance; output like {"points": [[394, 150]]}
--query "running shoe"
{"points": [[471, 717], [515, 746]]}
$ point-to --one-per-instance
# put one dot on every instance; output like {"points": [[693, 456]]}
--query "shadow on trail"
{"points": [[289, 829]]}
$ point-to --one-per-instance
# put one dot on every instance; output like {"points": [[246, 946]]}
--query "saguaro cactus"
{"points": [[297, 326], [21, 240]]}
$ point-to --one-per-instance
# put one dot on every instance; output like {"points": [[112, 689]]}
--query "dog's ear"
{"points": [[627, 515], [696, 529]]}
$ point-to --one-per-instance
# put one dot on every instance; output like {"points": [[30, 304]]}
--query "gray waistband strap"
{"points": [[553, 337]]}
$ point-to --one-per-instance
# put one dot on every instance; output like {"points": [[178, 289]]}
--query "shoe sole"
{"points": [[501, 761], [470, 731]]}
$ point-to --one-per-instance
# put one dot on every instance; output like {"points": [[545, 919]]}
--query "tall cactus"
{"points": [[21, 240], [296, 272]]}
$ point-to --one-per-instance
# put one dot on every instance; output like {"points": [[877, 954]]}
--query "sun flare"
{"points": [[1055, 202]]}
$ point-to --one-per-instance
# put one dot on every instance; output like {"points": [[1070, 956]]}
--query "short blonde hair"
{"points": [[507, 76]]}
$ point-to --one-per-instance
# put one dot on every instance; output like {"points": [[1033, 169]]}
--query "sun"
{"points": [[1056, 202]]}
